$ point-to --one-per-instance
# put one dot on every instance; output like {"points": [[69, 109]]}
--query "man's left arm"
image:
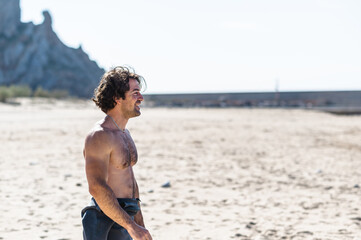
{"points": [[138, 218]]}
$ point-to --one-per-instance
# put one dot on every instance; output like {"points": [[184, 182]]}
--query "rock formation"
{"points": [[33, 55]]}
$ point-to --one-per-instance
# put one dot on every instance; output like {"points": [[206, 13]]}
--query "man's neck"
{"points": [[118, 118]]}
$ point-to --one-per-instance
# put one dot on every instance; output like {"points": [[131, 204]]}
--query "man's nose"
{"points": [[140, 97]]}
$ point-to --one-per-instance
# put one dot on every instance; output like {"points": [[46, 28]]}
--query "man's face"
{"points": [[133, 98]]}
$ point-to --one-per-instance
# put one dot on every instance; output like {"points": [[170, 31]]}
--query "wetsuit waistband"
{"points": [[128, 199], [130, 205]]}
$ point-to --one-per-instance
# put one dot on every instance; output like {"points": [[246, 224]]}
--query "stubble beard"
{"points": [[134, 113], [137, 110], [137, 113]]}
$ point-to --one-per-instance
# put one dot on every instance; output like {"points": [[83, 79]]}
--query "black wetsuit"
{"points": [[98, 226]]}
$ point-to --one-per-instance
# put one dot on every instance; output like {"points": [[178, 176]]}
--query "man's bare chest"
{"points": [[124, 152]]}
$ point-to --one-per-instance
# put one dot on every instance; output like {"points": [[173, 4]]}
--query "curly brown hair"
{"points": [[113, 85]]}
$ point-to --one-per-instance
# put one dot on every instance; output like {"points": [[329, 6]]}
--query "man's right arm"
{"points": [[97, 152]]}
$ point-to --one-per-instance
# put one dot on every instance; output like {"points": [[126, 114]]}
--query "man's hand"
{"points": [[139, 233]]}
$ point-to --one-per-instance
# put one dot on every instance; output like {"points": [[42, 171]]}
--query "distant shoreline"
{"points": [[310, 99]]}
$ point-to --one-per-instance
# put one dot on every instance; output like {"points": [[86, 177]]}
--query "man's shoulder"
{"points": [[99, 133]]}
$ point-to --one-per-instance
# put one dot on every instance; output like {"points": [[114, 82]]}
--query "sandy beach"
{"points": [[233, 173]]}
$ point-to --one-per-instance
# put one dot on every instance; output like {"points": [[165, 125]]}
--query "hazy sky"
{"points": [[216, 46]]}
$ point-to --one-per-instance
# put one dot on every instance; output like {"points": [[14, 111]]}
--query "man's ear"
{"points": [[118, 100]]}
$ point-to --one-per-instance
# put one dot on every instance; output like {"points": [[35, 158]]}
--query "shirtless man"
{"points": [[110, 154]]}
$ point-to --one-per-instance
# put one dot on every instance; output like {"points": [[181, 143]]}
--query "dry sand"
{"points": [[234, 173]]}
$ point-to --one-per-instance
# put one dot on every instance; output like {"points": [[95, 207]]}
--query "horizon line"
{"points": [[249, 92]]}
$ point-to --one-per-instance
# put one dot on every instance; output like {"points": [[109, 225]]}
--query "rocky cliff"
{"points": [[33, 55]]}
